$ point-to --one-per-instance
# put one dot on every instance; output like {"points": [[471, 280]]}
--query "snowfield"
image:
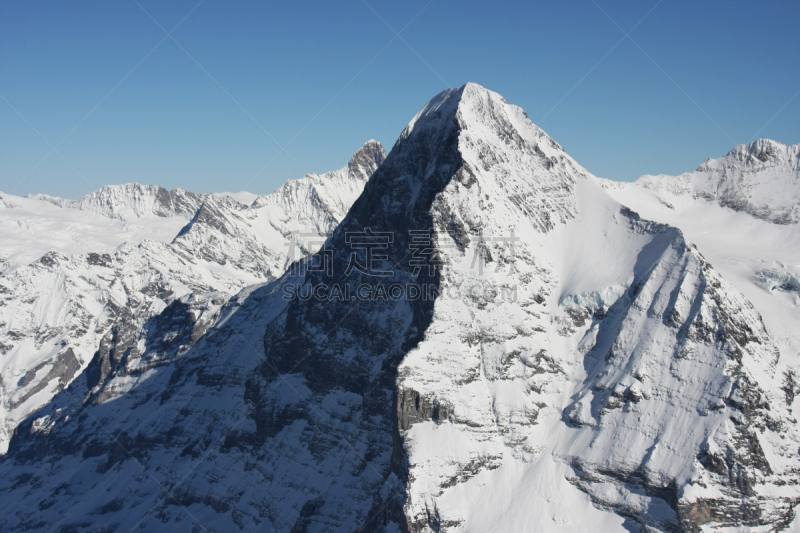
{"points": [[596, 356]]}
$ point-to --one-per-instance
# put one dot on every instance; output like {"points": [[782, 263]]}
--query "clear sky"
{"points": [[211, 107]]}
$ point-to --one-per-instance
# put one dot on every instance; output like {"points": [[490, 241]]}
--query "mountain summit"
{"points": [[761, 178], [486, 342]]}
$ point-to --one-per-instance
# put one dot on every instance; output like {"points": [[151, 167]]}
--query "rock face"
{"points": [[123, 254], [487, 342]]}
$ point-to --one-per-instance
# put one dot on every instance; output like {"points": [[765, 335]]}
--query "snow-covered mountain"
{"points": [[742, 213], [322, 201], [488, 341], [132, 201], [761, 178], [77, 273]]}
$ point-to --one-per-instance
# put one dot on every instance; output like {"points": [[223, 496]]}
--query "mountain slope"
{"points": [[321, 201], [566, 366], [285, 225], [630, 314], [755, 249], [89, 282]]}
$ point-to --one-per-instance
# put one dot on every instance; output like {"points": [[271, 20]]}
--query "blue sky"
{"points": [[210, 110]]}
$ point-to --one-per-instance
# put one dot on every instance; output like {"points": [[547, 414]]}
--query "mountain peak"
{"points": [[475, 108], [133, 200], [761, 178], [366, 160], [436, 112], [473, 160], [758, 152]]}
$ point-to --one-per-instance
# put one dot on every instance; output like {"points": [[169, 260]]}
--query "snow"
{"points": [[628, 384], [639, 397], [243, 197], [745, 249], [31, 227], [61, 291]]}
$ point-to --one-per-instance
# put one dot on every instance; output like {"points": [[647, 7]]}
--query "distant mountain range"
{"points": [[472, 333], [88, 270]]}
